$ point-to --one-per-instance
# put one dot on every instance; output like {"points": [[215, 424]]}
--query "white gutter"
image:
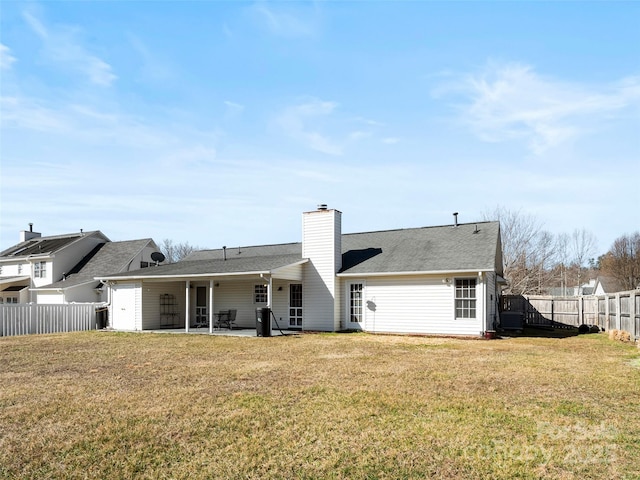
{"points": [[182, 276], [426, 272]]}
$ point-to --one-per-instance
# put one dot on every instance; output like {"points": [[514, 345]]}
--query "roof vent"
{"points": [[322, 206], [455, 219], [476, 229]]}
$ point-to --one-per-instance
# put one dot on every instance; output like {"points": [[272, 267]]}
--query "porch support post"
{"points": [[270, 293], [187, 318], [211, 306]]}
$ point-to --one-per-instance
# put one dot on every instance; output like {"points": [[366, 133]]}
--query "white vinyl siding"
{"points": [[491, 301], [151, 317], [413, 304], [321, 245]]}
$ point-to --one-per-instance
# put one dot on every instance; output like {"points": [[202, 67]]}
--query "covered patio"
{"points": [[197, 296]]}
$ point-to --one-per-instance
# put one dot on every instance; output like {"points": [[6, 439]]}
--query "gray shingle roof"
{"points": [[240, 264], [107, 258], [427, 249]]}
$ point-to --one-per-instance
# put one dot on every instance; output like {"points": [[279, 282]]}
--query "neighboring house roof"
{"points": [[13, 282], [106, 258], [465, 247], [609, 284], [45, 245]]}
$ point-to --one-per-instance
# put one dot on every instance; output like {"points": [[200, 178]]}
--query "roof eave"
{"points": [[182, 276], [422, 272]]}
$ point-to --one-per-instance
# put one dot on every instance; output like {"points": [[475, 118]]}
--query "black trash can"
{"points": [[263, 322], [101, 318]]}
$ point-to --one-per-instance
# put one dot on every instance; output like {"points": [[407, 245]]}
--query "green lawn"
{"points": [[109, 405]]}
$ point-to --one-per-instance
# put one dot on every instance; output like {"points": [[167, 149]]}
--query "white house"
{"points": [[430, 280], [37, 261], [80, 285]]}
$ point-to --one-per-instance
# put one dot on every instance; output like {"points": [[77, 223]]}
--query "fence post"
{"points": [[633, 313], [580, 310]]}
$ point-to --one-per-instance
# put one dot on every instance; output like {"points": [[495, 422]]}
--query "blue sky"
{"points": [[219, 123]]}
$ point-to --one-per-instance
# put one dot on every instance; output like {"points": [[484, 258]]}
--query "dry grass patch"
{"points": [[104, 405]]}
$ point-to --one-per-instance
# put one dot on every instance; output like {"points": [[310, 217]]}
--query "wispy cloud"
{"points": [[299, 122], [232, 108], [63, 47], [6, 59], [281, 23], [511, 101]]}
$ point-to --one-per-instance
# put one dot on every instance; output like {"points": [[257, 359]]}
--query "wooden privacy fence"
{"points": [[26, 319], [619, 311]]}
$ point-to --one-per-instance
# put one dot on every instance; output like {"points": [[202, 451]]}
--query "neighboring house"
{"points": [[79, 284], [37, 261], [607, 285], [432, 280], [585, 289]]}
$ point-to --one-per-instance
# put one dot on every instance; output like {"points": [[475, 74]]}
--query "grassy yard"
{"points": [[109, 405]]}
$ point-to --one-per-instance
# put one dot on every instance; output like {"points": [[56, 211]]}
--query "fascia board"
{"points": [[427, 272], [182, 276]]}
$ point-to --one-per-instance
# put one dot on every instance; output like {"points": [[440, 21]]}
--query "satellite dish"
{"points": [[157, 257]]}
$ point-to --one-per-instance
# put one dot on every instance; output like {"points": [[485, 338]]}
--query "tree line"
{"points": [[535, 260]]}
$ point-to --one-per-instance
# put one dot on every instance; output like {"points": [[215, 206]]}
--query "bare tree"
{"points": [[527, 250], [583, 245], [174, 252], [622, 262], [562, 258]]}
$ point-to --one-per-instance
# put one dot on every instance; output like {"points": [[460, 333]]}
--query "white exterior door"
{"points": [[295, 305], [202, 313], [123, 307], [355, 306]]}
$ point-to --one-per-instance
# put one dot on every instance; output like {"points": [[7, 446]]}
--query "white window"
{"points": [[40, 269], [260, 293], [465, 298], [19, 268], [355, 302]]}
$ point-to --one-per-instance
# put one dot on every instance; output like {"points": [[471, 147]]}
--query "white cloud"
{"points": [[390, 140], [6, 59], [283, 24], [63, 47], [299, 122], [233, 109], [512, 101]]}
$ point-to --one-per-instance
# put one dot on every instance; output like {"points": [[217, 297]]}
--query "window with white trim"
{"points": [[355, 302], [465, 298], [40, 269], [260, 293]]}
